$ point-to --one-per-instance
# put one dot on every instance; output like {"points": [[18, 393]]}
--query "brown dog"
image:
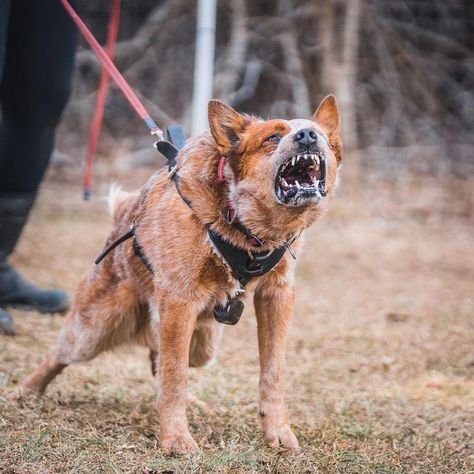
{"points": [[250, 184]]}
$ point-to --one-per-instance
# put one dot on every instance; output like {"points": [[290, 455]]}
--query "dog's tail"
{"points": [[118, 201]]}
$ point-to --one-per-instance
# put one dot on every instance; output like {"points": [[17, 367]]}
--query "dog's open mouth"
{"points": [[301, 177]]}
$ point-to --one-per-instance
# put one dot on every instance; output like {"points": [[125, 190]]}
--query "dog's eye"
{"points": [[273, 138]]}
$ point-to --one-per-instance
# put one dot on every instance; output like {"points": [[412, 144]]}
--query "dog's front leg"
{"points": [[274, 307], [177, 321]]}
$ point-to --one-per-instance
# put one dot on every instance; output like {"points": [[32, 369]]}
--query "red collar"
{"points": [[230, 215]]}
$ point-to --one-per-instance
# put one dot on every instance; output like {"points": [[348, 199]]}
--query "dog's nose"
{"points": [[306, 137]]}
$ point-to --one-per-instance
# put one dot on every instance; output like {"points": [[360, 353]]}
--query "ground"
{"points": [[380, 359]]}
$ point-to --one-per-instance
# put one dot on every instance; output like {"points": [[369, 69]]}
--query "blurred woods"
{"points": [[403, 72]]}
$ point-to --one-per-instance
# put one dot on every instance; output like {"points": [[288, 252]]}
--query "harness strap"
{"points": [[137, 248], [245, 265], [115, 243]]}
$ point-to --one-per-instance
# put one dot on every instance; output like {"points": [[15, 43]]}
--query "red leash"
{"points": [[112, 71], [96, 124]]}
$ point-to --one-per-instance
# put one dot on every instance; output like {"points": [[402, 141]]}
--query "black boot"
{"points": [[7, 326], [14, 290]]}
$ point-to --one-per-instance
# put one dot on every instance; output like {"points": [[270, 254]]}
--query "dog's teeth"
{"points": [[293, 161], [297, 184], [283, 181]]}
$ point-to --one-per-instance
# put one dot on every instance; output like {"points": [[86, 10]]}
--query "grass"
{"points": [[380, 361]]}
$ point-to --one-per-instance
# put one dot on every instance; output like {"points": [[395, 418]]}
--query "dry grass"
{"points": [[380, 363]]}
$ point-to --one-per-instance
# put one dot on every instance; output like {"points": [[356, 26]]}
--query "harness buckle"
{"points": [[255, 263]]}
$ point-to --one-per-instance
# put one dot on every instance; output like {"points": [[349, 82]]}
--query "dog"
{"points": [[228, 219]]}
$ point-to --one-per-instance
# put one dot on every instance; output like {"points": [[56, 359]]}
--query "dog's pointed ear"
{"points": [[327, 116], [226, 124]]}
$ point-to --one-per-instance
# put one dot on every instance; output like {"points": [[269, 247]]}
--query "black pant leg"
{"points": [[4, 16], [34, 89]]}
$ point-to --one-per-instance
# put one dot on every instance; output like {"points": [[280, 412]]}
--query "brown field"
{"points": [[380, 362]]}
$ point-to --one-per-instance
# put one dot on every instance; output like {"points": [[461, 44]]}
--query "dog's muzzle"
{"points": [[301, 177]]}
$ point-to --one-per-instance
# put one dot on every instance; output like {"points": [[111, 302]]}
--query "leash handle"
{"points": [[113, 71]]}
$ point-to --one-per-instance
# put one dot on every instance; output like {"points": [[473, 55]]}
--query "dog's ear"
{"points": [[226, 124], [327, 116]]}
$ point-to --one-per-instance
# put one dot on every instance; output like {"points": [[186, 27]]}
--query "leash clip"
{"points": [[157, 132]]}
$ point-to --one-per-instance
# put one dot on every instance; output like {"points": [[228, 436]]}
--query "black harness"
{"points": [[243, 264]]}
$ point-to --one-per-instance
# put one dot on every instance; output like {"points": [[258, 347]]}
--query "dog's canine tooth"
{"points": [[297, 184], [283, 181], [293, 161]]}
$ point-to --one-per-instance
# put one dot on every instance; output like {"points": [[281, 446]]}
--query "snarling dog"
{"points": [[238, 199]]}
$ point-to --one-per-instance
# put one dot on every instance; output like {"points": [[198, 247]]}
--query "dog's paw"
{"points": [[281, 435], [182, 443], [19, 393], [14, 394]]}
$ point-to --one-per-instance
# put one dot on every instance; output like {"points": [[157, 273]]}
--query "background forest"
{"points": [[403, 71]]}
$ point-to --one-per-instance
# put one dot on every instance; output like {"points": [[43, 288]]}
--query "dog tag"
{"points": [[230, 313]]}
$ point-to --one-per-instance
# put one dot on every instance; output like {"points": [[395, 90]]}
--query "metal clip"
{"points": [[172, 171], [158, 133], [289, 242], [290, 250]]}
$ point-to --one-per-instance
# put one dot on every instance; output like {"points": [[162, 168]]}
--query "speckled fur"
{"points": [[119, 301]]}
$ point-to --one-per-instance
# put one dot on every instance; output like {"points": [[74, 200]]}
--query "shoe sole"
{"points": [[7, 332]]}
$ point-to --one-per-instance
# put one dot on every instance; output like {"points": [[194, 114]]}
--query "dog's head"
{"points": [[290, 163]]}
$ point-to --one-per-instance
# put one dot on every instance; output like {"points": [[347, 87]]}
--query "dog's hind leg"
{"points": [[154, 362], [205, 341], [73, 345], [36, 383], [88, 330]]}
